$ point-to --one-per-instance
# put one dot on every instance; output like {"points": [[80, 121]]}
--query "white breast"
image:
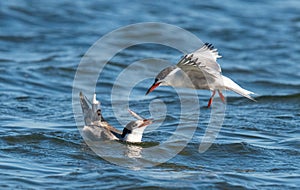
{"points": [[135, 136], [178, 78]]}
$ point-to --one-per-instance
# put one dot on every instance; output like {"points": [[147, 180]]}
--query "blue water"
{"points": [[42, 43]]}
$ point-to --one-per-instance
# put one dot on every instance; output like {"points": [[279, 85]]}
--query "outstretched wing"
{"points": [[90, 114], [135, 115], [94, 119], [204, 59], [86, 109]]}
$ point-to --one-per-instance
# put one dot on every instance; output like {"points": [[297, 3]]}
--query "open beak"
{"points": [[146, 122], [152, 87]]}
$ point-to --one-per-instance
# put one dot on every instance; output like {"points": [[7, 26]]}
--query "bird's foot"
{"points": [[222, 96], [211, 99], [209, 102]]}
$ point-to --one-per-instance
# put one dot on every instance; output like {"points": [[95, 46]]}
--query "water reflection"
{"points": [[133, 151]]}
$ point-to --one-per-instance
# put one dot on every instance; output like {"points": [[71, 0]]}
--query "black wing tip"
{"points": [[209, 46], [212, 48]]}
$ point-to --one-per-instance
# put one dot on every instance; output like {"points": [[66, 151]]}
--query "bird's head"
{"points": [[134, 129], [163, 78], [156, 83]]}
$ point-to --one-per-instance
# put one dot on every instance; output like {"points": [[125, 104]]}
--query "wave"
{"points": [[286, 97], [276, 84]]}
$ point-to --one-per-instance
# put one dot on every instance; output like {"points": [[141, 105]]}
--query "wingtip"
{"points": [[81, 96], [209, 45], [135, 114], [95, 101]]}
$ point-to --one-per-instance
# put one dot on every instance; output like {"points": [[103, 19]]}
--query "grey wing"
{"points": [[204, 59], [98, 126], [86, 109], [94, 133], [90, 116]]}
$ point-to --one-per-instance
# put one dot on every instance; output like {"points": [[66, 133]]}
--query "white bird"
{"points": [[199, 70], [96, 128]]}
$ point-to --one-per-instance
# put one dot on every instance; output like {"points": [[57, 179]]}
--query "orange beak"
{"points": [[152, 87]]}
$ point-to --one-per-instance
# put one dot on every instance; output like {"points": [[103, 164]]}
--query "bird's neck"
{"points": [[135, 136], [178, 78]]}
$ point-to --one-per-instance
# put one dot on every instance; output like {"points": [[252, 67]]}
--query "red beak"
{"points": [[146, 122], [152, 87]]}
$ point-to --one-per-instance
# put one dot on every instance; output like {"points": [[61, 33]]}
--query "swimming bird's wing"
{"points": [[204, 60], [135, 115], [94, 119], [86, 109]]}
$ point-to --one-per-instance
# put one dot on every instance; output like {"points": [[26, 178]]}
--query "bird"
{"points": [[199, 70], [97, 128]]}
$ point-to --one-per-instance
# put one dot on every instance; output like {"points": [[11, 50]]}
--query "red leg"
{"points": [[221, 96], [211, 99]]}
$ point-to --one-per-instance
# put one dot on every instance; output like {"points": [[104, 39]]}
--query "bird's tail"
{"points": [[230, 85]]}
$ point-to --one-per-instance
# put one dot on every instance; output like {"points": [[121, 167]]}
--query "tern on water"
{"points": [[199, 70], [97, 128]]}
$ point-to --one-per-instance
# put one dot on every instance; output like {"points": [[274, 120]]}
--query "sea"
{"points": [[52, 50]]}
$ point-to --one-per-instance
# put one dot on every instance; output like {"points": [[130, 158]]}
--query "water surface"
{"points": [[42, 42]]}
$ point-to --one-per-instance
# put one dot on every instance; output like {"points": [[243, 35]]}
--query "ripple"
{"points": [[41, 46], [19, 39]]}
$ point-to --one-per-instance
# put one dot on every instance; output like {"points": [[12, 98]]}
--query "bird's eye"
{"points": [[156, 80]]}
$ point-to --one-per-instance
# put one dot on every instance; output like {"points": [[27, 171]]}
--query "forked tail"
{"points": [[230, 85]]}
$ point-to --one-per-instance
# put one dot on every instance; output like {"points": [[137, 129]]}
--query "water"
{"points": [[42, 42]]}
